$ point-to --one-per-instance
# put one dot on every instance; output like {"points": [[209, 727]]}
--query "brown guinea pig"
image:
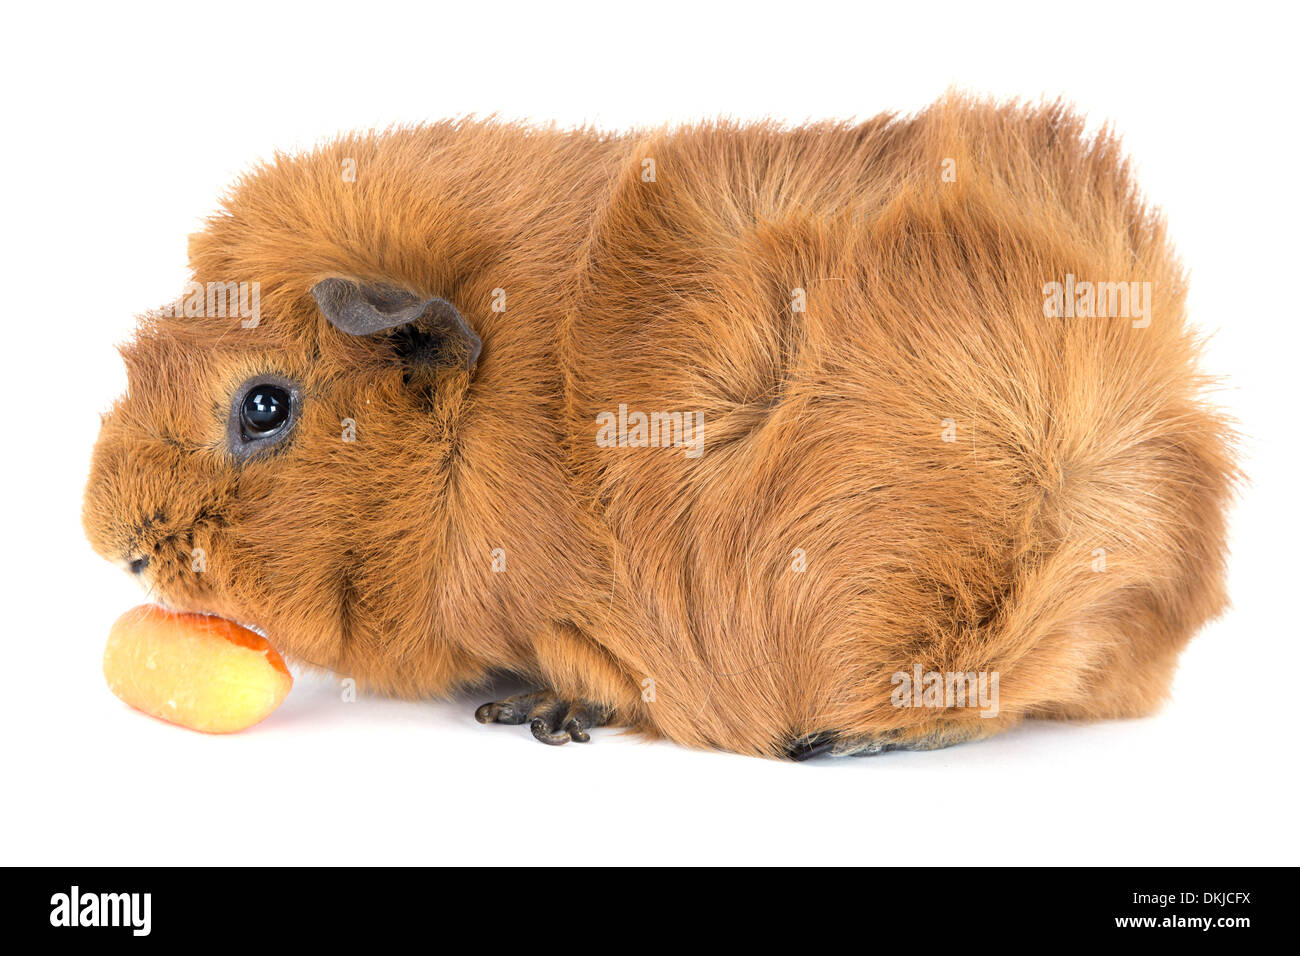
{"points": [[838, 438]]}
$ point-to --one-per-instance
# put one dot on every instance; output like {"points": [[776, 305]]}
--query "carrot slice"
{"points": [[196, 670]]}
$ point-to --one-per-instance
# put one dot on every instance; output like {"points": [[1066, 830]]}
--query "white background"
{"points": [[121, 128]]}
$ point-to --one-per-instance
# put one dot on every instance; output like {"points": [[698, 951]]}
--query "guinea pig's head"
{"points": [[281, 459]]}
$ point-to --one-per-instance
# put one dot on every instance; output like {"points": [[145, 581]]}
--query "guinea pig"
{"points": [[838, 438]]}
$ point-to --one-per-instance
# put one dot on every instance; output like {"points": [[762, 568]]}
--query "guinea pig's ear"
{"points": [[429, 332]]}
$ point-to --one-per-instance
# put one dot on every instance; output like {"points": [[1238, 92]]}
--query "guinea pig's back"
{"points": [[915, 443]]}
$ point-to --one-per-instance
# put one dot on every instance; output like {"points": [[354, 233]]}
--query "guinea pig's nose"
{"points": [[139, 564]]}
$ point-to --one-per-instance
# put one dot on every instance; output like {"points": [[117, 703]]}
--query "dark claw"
{"points": [[576, 730], [578, 720], [543, 733], [809, 746], [512, 710], [499, 713]]}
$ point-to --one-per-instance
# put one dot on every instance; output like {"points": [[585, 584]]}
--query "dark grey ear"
{"points": [[431, 331]]}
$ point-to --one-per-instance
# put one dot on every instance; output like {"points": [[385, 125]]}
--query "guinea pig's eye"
{"points": [[265, 409], [262, 413]]}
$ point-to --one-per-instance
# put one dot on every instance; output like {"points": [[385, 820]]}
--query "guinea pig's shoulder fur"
{"points": [[889, 458]]}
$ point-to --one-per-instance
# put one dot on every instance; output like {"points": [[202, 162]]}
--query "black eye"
{"points": [[265, 410], [263, 413]]}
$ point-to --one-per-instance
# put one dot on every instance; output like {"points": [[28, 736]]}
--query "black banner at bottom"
{"points": [[337, 906]]}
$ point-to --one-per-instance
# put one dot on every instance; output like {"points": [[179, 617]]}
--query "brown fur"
{"points": [[822, 429]]}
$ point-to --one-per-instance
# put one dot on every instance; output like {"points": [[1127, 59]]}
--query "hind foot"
{"points": [[552, 719], [836, 745]]}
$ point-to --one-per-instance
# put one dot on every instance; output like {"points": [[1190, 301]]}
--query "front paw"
{"points": [[552, 719]]}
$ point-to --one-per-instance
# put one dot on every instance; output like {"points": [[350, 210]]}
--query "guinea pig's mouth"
{"points": [[167, 605], [156, 595], [248, 625], [174, 599]]}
